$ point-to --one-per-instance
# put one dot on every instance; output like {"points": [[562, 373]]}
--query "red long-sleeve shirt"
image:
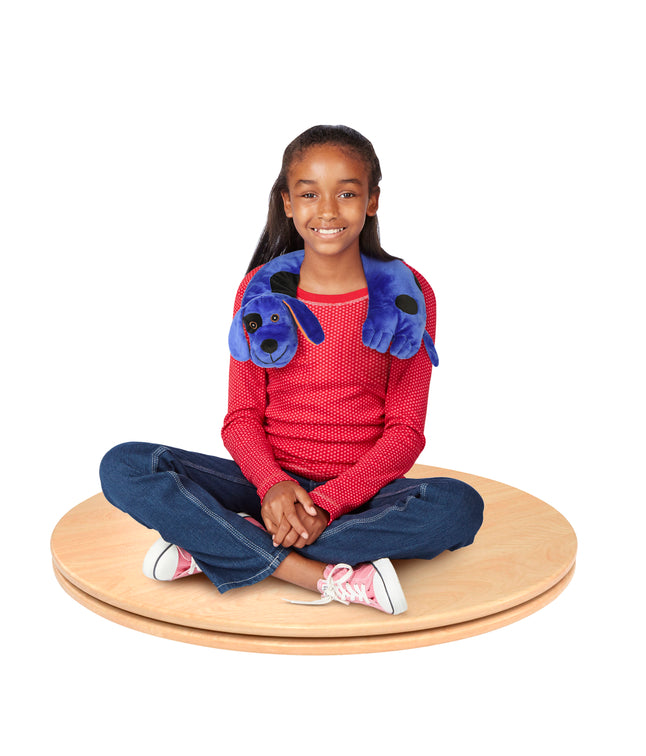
{"points": [[339, 412]]}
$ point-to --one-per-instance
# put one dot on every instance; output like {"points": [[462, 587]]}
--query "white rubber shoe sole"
{"points": [[165, 561], [388, 590]]}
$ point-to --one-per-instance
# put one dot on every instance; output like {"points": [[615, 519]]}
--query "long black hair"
{"points": [[280, 235]]}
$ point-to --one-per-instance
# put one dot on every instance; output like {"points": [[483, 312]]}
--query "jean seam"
{"points": [[239, 479], [361, 520], [254, 578], [272, 559], [382, 495], [154, 460], [236, 533]]}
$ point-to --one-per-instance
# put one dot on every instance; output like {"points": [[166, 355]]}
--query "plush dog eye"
{"points": [[275, 318], [252, 321]]}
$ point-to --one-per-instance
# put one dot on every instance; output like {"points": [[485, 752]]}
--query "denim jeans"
{"points": [[192, 500]]}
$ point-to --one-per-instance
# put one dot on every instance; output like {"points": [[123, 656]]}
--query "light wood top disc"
{"points": [[521, 559]]}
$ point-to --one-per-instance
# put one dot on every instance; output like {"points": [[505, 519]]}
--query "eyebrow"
{"points": [[309, 182]]}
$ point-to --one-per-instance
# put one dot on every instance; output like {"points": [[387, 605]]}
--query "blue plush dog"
{"points": [[271, 314]]}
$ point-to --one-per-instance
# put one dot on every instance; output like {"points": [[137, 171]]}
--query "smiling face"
{"points": [[328, 199]]}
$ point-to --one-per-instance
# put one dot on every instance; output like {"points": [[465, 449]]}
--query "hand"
{"points": [[314, 525], [280, 514], [291, 517]]}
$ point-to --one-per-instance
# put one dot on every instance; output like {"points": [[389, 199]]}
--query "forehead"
{"points": [[327, 162]]}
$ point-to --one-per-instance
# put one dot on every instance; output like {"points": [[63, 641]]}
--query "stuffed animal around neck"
{"points": [[271, 314]]}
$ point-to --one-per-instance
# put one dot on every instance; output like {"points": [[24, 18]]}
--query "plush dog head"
{"points": [[271, 322], [271, 315]]}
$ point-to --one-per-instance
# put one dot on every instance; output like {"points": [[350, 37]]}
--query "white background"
{"points": [[139, 143]]}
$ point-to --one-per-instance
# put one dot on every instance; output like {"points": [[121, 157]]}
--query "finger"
{"points": [[283, 529], [272, 513], [290, 514], [313, 536], [300, 543], [294, 520], [306, 501], [290, 539], [270, 524]]}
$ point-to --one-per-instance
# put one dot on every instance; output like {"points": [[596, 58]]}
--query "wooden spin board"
{"points": [[522, 558]]}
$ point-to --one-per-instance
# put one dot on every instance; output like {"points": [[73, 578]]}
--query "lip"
{"points": [[330, 232]]}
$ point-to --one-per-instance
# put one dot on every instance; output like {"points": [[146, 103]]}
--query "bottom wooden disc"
{"points": [[314, 646]]}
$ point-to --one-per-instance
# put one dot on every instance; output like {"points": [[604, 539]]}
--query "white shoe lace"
{"points": [[338, 589]]}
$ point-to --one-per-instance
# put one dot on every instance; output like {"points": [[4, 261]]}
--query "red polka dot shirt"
{"points": [[339, 412]]}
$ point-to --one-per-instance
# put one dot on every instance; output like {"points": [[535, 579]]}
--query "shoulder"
{"points": [[427, 290], [243, 287], [429, 299]]}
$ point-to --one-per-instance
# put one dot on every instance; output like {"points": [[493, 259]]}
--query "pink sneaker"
{"points": [[373, 584], [165, 561]]}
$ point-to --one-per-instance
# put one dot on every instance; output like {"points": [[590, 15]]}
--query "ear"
{"points": [[430, 348], [238, 345], [306, 320], [287, 204], [373, 202]]}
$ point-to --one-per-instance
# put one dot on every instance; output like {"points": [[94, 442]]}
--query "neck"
{"points": [[337, 274]]}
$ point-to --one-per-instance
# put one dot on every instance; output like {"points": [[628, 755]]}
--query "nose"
{"points": [[328, 208], [269, 345]]}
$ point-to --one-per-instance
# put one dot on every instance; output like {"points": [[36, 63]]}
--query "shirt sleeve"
{"points": [[243, 431], [403, 436]]}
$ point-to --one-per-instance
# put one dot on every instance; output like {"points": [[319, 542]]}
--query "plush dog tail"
{"points": [[430, 348]]}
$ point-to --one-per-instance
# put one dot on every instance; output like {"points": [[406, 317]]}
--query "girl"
{"points": [[315, 494]]}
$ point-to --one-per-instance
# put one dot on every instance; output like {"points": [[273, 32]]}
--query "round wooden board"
{"points": [[314, 646], [522, 558]]}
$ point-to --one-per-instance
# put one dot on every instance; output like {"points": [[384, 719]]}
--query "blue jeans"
{"points": [[192, 500]]}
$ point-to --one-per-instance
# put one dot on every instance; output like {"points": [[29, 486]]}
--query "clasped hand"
{"points": [[291, 516]]}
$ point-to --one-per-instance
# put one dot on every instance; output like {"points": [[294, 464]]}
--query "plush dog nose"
{"points": [[269, 345]]}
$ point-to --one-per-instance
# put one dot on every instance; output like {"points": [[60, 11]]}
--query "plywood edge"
{"points": [[314, 646]]}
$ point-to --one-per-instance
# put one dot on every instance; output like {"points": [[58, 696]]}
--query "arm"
{"points": [[403, 436], [243, 431], [244, 436]]}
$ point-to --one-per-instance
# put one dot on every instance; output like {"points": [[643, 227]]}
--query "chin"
{"points": [[331, 250]]}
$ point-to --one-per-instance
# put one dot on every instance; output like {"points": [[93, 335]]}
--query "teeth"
{"points": [[328, 231]]}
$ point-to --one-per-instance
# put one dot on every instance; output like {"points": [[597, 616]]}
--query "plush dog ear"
{"points": [[430, 348], [238, 345], [306, 320], [284, 282]]}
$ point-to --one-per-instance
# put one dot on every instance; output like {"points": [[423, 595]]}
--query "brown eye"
{"points": [[252, 325], [275, 318]]}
